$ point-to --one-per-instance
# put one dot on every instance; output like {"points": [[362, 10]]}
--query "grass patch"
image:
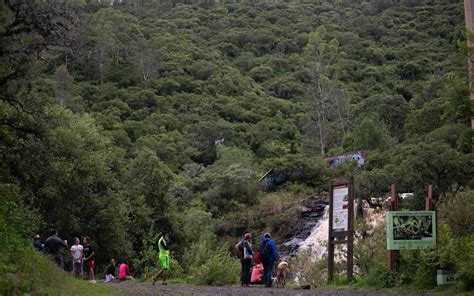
{"points": [[28, 271], [441, 290]]}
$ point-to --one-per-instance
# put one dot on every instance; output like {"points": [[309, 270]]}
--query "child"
{"points": [[110, 272], [89, 255], [77, 252], [257, 274], [124, 271]]}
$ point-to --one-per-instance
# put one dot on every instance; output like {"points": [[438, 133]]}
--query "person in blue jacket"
{"points": [[269, 256]]}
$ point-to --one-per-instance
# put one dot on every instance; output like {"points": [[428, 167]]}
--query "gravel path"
{"points": [[137, 288]]}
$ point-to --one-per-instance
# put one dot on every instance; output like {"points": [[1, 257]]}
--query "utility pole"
{"points": [[469, 15]]}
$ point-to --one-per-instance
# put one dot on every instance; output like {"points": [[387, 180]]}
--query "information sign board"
{"points": [[340, 209], [411, 230]]}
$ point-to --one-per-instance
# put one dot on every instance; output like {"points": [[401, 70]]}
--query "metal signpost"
{"points": [[341, 223], [393, 206]]}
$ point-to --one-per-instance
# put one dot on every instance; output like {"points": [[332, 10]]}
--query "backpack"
{"points": [[241, 249], [266, 249]]}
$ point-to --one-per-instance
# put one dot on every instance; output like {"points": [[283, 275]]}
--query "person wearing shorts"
{"points": [[89, 255], [164, 259]]}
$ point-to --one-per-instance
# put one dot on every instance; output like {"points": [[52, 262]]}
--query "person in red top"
{"points": [[124, 271], [257, 274]]}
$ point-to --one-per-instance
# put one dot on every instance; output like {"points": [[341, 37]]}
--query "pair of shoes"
{"points": [[165, 284]]}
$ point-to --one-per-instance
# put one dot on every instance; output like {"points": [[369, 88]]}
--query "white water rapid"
{"points": [[316, 242]]}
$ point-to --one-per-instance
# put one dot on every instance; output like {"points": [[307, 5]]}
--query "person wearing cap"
{"points": [[245, 252], [269, 257], [37, 243]]}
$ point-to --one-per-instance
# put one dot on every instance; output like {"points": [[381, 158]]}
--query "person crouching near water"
{"points": [[164, 259], [269, 256], [124, 271]]}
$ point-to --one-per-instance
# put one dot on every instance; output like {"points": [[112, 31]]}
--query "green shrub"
{"points": [[456, 254], [458, 212], [369, 248], [298, 188], [176, 270], [311, 271], [418, 268], [199, 252], [23, 270], [456, 236], [218, 270], [15, 227], [464, 261], [383, 278]]}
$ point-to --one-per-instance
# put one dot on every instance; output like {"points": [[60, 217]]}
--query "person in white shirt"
{"points": [[77, 252]]}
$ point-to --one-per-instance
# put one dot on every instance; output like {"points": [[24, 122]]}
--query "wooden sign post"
{"points": [[393, 255], [341, 223], [394, 244]]}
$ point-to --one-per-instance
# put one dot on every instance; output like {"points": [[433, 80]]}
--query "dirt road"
{"points": [[137, 288]]}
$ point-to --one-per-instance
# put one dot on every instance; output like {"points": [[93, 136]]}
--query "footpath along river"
{"points": [[138, 288]]}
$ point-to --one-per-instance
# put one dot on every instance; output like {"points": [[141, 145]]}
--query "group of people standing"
{"points": [[266, 256], [82, 255], [257, 267]]}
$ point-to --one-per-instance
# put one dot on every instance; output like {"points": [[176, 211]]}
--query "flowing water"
{"points": [[310, 234], [316, 242]]}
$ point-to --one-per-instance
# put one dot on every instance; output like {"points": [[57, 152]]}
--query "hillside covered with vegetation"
{"points": [[122, 121]]}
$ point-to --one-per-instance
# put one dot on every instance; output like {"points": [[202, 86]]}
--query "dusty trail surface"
{"points": [[138, 288]]}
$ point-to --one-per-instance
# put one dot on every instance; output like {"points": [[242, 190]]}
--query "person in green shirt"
{"points": [[164, 259]]}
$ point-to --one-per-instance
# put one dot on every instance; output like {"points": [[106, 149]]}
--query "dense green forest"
{"points": [[121, 121]]}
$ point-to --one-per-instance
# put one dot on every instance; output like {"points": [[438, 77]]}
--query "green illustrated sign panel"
{"points": [[411, 230]]}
